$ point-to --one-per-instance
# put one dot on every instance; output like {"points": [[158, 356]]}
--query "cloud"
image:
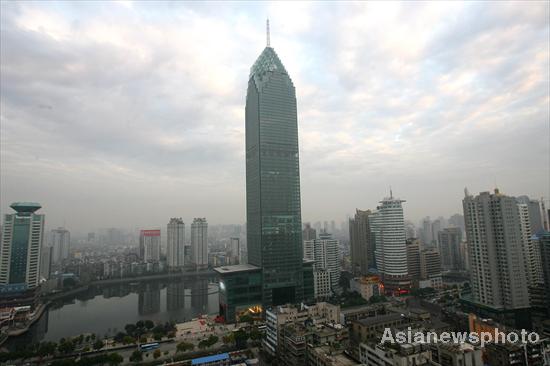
{"points": [[144, 105]]}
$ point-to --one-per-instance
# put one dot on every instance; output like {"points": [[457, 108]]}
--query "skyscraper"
{"points": [[324, 251], [449, 247], [273, 211], [361, 243], [149, 245], [309, 233], [22, 237], [234, 252], [199, 243], [494, 237], [388, 228], [61, 243], [175, 243]]}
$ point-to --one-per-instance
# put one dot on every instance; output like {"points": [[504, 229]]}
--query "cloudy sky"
{"points": [[127, 113]]}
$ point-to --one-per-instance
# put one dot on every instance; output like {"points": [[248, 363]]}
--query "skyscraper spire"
{"points": [[267, 32]]}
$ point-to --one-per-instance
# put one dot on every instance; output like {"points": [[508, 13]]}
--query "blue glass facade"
{"points": [[274, 235]]}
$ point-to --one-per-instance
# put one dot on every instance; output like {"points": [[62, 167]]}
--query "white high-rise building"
{"points": [[61, 243], [175, 243], [20, 248], [149, 245], [324, 251], [495, 251], [199, 243], [388, 228]]}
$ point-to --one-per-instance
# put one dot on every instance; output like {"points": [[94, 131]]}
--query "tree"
{"points": [[203, 344], [119, 337], [212, 340], [156, 354], [143, 340], [130, 329], [184, 347], [98, 344], [246, 319], [46, 348], [136, 356], [128, 340], [157, 336], [140, 324], [228, 338], [255, 334], [149, 324], [240, 338], [115, 359]]}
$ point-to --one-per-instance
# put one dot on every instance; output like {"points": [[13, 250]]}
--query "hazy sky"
{"points": [[125, 114]]}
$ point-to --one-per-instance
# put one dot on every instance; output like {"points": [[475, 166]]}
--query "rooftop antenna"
{"points": [[391, 193], [267, 32]]}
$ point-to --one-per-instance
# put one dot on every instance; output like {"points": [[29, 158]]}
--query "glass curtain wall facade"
{"points": [[274, 223]]}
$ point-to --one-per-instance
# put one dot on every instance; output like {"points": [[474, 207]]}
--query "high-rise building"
{"points": [[531, 252], [449, 247], [234, 254], [413, 259], [61, 243], [175, 243], [388, 228], [22, 237], [309, 233], [457, 220], [535, 213], [199, 243], [430, 269], [542, 239], [274, 223], [46, 257], [324, 251], [361, 243], [497, 266], [149, 245], [426, 237]]}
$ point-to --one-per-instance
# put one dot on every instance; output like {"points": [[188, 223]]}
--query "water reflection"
{"points": [[106, 310]]}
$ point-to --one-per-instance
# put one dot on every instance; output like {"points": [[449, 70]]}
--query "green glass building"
{"points": [[273, 211], [20, 246]]}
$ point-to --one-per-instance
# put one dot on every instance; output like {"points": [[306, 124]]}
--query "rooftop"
{"points": [[380, 319], [237, 268], [25, 207]]}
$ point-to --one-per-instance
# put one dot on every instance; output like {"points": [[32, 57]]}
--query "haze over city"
{"points": [[126, 114]]}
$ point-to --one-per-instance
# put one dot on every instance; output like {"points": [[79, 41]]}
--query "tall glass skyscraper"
{"points": [[21, 243], [273, 211]]}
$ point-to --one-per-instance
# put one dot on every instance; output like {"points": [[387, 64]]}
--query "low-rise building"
{"points": [[367, 286]]}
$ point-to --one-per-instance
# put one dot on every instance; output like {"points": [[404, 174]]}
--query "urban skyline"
{"points": [[404, 140]]}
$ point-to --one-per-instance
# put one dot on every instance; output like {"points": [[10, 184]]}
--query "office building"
{"points": [[61, 243], [309, 233], [46, 256], [324, 251], [175, 243], [149, 245], [426, 236], [199, 243], [234, 252], [497, 266], [413, 259], [531, 252], [22, 237], [430, 269], [273, 211], [366, 286], [543, 243], [361, 243], [449, 247], [388, 228], [535, 213]]}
